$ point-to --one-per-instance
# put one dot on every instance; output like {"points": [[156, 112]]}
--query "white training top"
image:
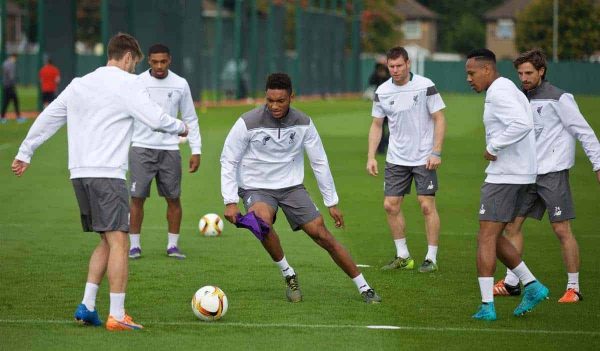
{"points": [[172, 94], [99, 109], [560, 123], [262, 152], [408, 108], [509, 134]]}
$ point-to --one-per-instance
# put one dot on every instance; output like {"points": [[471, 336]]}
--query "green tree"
{"points": [[468, 34], [578, 28], [380, 26], [461, 27]]}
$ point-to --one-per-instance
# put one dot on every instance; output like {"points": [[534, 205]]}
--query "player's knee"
{"points": [[264, 215], [391, 207], [427, 209]]}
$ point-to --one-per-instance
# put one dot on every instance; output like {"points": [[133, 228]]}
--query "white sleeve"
{"points": [[141, 107], [46, 125], [234, 148], [577, 126], [517, 119], [320, 165], [376, 110], [434, 100], [188, 114]]}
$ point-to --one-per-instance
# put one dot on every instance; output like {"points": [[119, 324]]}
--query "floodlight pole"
{"points": [[555, 31]]}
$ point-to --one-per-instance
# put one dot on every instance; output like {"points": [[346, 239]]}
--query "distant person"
{"points": [[379, 76], [417, 127], [155, 156], [9, 91], [49, 80], [263, 163], [561, 124], [510, 148], [99, 109]]}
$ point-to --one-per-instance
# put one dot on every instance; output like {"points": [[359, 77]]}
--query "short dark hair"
{"points": [[482, 54], [279, 81], [534, 56], [159, 49], [122, 43], [395, 52]]}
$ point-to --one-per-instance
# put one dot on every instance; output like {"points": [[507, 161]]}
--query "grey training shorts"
{"points": [[146, 164], [501, 202], [551, 192], [294, 201], [103, 204], [398, 180]]}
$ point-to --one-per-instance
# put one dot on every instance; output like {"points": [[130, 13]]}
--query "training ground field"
{"points": [[43, 256]]}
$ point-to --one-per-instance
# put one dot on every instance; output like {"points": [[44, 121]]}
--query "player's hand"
{"points": [[185, 133], [19, 167], [231, 210], [337, 216], [433, 162], [598, 175], [489, 156], [194, 163], [372, 167]]}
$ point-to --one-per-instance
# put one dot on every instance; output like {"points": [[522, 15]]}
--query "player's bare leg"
{"points": [[273, 246], [432, 230], [395, 218], [322, 236], [174, 214], [136, 217]]}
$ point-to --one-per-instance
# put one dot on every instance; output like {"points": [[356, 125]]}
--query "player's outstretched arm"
{"points": [[337, 216], [374, 138], [19, 167]]}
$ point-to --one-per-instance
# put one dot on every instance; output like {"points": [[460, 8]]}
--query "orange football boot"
{"points": [[126, 324], [571, 296]]}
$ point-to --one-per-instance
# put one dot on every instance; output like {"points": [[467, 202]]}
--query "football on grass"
{"points": [[209, 303]]}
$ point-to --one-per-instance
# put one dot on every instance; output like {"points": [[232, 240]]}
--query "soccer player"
{"points": [[510, 148], [98, 109], [49, 78], [155, 155], [417, 127], [263, 163], [9, 91], [561, 124]]}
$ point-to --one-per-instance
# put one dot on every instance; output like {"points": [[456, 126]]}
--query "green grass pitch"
{"points": [[43, 256]]}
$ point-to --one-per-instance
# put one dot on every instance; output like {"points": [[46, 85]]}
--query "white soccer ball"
{"points": [[209, 303], [210, 225]]}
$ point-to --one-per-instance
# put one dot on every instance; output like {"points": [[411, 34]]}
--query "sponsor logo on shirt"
{"points": [[415, 100], [292, 136], [539, 110], [265, 139]]}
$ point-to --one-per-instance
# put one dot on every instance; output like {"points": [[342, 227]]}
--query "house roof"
{"points": [[411, 9], [508, 9]]}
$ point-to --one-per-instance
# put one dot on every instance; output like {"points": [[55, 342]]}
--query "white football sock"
{"points": [[486, 286], [285, 268], [431, 253], [573, 281], [134, 241], [524, 274], [401, 248], [361, 283], [89, 296], [117, 305], [173, 238], [511, 278]]}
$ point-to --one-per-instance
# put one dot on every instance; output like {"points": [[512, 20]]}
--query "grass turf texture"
{"points": [[44, 255]]}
